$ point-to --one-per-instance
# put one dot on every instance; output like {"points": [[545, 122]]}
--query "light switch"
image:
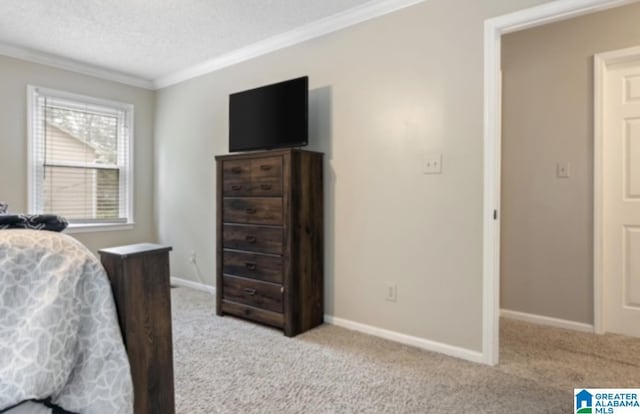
{"points": [[563, 170], [433, 163]]}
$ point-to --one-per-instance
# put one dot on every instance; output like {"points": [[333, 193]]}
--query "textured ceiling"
{"points": [[153, 38]]}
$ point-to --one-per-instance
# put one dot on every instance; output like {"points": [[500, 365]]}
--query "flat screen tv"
{"points": [[271, 116]]}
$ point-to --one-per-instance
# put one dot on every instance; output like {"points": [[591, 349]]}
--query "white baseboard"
{"points": [[193, 285], [546, 320], [454, 351]]}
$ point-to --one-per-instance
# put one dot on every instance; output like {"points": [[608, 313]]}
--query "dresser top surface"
{"points": [[265, 153], [135, 249]]}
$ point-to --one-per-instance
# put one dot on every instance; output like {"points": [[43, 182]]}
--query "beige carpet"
{"points": [[226, 365]]}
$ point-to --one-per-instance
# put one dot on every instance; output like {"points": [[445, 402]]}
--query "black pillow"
{"points": [[49, 222]]}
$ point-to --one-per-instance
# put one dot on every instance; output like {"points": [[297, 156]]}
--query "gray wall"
{"points": [[383, 94], [547, 222], [14, 76]]}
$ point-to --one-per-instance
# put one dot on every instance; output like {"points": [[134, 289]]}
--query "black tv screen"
{"points": [[271, 116]]}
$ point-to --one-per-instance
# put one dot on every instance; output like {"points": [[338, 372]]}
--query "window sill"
{"points": [[96, 227]]}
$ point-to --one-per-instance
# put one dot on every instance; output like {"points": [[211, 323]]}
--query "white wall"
{"points": [[15, 75], [547, 222], [383, 93]]}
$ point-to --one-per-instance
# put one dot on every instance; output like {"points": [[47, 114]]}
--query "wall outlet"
{"points": [[432, 163], [192, 257], [391, 293]]}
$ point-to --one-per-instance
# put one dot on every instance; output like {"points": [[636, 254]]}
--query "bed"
{"points": [[61, 347]]}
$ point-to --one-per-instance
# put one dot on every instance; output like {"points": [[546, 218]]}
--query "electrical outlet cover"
{"points": [[392, 292], [432, 163]]}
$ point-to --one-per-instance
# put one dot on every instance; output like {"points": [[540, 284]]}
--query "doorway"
{"points": [[494, 30]]}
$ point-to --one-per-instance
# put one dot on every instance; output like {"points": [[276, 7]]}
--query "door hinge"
{"points": [[495, 214]]}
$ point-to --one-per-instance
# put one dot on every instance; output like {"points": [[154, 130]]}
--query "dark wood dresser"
{"points": [[270, 238], [139, 276]]}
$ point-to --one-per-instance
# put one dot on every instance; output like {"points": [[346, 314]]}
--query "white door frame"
{"points": [[601, 61], [493, 30]]}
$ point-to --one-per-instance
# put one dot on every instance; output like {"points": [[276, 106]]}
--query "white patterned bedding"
{"points": [[59, 334]]}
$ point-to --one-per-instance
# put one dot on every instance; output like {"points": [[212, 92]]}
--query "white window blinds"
{"points": [[80, 157]]}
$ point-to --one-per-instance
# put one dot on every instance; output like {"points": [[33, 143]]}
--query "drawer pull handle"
{"points": [[265, 167], [236, 187], [250, 239], [249, 291], [265, 186], [236, 170], [251, 211], [250, 266]]}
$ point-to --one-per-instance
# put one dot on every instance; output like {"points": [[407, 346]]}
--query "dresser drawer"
{"points": [[254, 266], [260, 177], [236, 178], [244, 311], [261, 295], [266, 176], [252, 211], [252, 238]]}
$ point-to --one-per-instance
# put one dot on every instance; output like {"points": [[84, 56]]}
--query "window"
{"points": [[80, 158]]}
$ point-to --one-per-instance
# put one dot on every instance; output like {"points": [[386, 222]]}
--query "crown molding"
{"points": [[358, 14], [73, 66], [353, 16]]}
